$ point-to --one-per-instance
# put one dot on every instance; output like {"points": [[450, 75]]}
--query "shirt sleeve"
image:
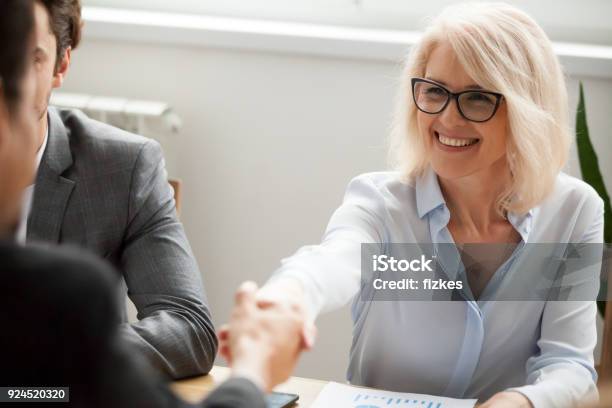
{"points": [[562, 374], [330, 272]]}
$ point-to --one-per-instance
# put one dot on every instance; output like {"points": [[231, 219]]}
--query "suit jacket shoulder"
{"points": [[93, 142], [87, 182]]}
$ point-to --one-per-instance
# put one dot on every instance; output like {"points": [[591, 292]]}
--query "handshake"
{"points": [[268, 330]]}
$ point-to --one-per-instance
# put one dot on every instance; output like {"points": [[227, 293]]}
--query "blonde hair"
{"points": [[504, 50]]}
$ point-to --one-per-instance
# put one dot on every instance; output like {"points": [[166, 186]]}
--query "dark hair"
{"points": [[16, 25], [65, 23]]}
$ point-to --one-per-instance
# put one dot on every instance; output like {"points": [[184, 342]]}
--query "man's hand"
{"points": [[262, 341], [507, 399]]}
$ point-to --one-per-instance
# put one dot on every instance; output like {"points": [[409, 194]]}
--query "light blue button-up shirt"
{"points": [[470, 349]]}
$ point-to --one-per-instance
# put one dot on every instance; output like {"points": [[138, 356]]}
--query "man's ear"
{"points": [[62, 69]]}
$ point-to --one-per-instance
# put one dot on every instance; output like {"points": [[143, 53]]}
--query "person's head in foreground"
{"points": [[485, 100], [17, 88]]}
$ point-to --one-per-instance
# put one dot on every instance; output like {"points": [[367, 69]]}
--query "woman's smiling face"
{"points": [[460, 147]]}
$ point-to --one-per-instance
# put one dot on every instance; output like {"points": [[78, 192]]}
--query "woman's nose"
{"points": [[451, 116]]}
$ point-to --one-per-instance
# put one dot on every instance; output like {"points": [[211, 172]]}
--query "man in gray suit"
{"points": [[106, 190]]}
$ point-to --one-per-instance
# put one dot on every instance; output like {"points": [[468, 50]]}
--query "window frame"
{"points": [[586, 21]]}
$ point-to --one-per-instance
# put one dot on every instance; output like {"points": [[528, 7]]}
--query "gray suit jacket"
{"points": [[107, 190]]}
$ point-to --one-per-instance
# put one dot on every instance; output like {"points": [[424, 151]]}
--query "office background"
{"points": [[274, 127]]}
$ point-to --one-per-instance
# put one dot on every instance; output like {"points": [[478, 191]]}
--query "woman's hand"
{"points": [[284, 293], [263, 339], [288, 293], [507, 399]]}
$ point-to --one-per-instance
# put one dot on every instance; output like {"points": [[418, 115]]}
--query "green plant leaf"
{"points": [[589, 167]]}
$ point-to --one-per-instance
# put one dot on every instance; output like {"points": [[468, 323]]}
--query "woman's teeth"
{"points": [[450, 141]]}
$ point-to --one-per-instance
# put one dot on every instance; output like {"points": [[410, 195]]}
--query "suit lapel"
{"points": [[52, 190]]}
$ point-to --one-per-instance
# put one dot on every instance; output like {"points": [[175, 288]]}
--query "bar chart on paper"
{"points": [[365, 400], [347, 396]]}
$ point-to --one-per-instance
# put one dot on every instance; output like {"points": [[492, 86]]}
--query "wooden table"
{"points": [[195, 389]]}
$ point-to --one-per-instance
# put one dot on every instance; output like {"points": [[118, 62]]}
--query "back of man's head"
{"points": [[17, 118], [65, 24], [16, 22]]}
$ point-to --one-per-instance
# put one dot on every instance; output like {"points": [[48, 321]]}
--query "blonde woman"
{"points": [[480, 138]]}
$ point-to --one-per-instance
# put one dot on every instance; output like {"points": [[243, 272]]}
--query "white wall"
{"points": [[268, 145]]}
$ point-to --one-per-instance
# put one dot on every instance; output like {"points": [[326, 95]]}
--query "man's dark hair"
{"points": [[16, 24], [65, 23]]}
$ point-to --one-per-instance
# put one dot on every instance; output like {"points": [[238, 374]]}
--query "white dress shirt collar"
{"points": [[28, 193]]}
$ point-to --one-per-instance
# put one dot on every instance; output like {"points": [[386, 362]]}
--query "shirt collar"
{"points": [[428, 193], [429, 197], [39, 156], [26, 200], [522, 223], [41, 151]]}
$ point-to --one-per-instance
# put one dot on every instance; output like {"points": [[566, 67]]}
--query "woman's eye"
{"points": [[435, 91], [480, 97]]}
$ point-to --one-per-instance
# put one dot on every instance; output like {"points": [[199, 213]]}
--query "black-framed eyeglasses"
{"points": [[474, 105]]}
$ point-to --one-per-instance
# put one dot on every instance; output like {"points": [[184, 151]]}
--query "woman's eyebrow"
{"points": [[472, 86]]}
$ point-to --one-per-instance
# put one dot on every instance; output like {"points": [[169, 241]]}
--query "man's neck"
{"points": [[43, 124]]}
